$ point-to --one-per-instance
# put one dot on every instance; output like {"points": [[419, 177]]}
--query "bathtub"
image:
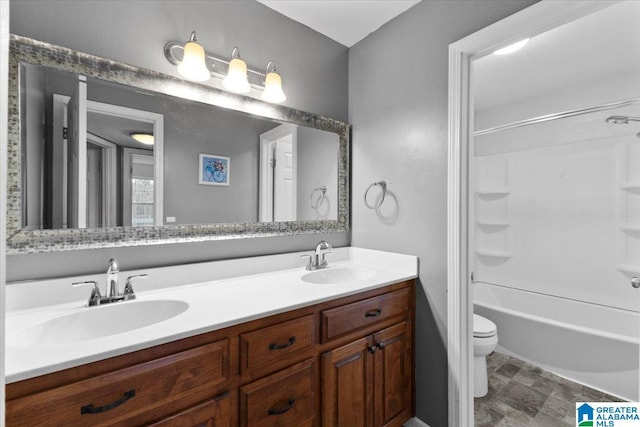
{"points": [[591, 344]]}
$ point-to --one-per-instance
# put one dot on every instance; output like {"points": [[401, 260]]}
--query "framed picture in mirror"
{"points": [[213, 170]]}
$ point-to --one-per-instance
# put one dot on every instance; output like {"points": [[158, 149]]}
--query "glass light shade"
{"points": [[273, 88], [193, 66], [143, 138], [236, 80]]}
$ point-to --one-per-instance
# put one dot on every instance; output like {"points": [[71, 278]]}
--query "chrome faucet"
{"points": [[317, 261], [112, 294], [112, 278]]}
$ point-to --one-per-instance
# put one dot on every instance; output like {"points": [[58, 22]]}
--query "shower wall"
{"points": [[557, 209]]}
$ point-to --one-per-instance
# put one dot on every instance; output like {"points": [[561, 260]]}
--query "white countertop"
{"points": [[265, 286]]}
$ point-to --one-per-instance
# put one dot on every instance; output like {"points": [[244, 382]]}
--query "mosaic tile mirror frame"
{"points": [[25, 239]]}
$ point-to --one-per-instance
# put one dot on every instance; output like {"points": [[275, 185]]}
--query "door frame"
{"points": [[536, 19], [4, 119], [109, 178]]}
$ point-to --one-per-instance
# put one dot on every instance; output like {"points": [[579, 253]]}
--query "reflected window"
{"points": [[141, 202]]}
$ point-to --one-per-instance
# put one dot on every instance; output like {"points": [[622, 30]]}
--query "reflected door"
{"points": [[284, 195], [278, 174]]}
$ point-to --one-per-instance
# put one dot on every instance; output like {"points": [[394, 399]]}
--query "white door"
{"points": [[278, 174], [284, 195], [77, 157]]}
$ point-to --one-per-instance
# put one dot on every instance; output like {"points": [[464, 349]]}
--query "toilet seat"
{"points": [[483, 327]]}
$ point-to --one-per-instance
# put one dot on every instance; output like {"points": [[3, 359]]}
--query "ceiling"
{"points": [[117, 129], [597, 47], [345, 21]]}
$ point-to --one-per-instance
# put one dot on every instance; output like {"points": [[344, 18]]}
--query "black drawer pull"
{"points": [[373, 313], [222, 395], [289, 343], [90, 409], [284, 409]]}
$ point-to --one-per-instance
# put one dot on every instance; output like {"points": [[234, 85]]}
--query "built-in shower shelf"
{"points": [[487, 192], [494, 225], [493, 254], [629, 268], [630, 228], [631, 186]]}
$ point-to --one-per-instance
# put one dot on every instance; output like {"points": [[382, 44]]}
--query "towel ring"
{"points": [[319, 200], [383, 189]]}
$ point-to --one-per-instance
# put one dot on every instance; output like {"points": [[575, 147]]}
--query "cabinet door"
{"points": [[393, 372], [215, 412], [347, 385]]}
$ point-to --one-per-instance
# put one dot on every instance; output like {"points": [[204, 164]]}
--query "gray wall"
{"points": [[317, 166], [314, 71], [191, 128], [398, 110]]}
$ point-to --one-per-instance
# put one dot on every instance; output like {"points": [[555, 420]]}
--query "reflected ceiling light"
{"points": [[143, 138], [512, 47], [199, 65], [273, 85], [193, 66], [236, 80]]}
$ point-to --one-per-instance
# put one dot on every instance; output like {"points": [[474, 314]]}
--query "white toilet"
{"points": [[485, 339]]}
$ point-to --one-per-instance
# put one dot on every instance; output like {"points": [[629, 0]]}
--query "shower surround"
{"points": [[556, 220]]}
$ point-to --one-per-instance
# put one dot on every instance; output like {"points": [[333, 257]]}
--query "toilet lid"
{"points": [[483, 327]]}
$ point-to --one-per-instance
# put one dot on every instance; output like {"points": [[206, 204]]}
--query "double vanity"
{"points": [[203, 344]]}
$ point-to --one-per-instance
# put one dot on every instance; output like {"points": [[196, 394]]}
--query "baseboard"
{"points": [[415, 422]]}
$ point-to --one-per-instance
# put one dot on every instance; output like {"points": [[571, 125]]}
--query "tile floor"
{"points": [[523, 395]]}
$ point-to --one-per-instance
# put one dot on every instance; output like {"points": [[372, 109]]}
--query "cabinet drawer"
{"points": [[277, 343], [130, 396], [215, 412], [285, 398], [340, 321]]}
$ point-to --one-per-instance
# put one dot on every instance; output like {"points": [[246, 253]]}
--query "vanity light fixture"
{"points": [[193, 66], [143, 138], [196, 64], [236, 80], [273, 85], [512, 47]]}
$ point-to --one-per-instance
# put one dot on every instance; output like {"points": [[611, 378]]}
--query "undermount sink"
{"points": [[332, 276], [91, 323]]}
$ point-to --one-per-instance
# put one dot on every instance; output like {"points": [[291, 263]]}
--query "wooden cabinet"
{"points": [[369, 382], [346, 362]]}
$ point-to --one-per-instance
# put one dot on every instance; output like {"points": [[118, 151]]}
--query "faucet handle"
{"points": [[128, 288], [95, 297], [323, 248], [309, 263]]}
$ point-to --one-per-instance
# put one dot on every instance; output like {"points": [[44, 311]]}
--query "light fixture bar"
{"points": [[173, 51]]}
